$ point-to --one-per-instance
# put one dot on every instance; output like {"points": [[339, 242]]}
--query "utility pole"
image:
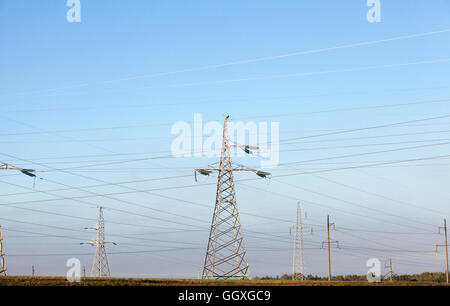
{"points": [[226, 254], [444, 228], [2, 255], [33, 271], [84, 271], [329, 242], [390, 274], [6, 166], [100, 267], [329, 252], [298, 267], [28, 172]]}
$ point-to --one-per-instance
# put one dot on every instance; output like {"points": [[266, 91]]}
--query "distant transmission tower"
{"points": [[226, 254], [390, 275], [2, 255], [100, 267], [298, 269]]}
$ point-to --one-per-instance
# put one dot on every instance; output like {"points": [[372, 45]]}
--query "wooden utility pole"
{"points": [[446, 250], [329, 252], [28, 172], [444, 228], [329, 242]]}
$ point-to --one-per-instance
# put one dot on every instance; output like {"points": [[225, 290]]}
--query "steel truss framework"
{"points": [[298, 269], [100, 267], [226, 256]]}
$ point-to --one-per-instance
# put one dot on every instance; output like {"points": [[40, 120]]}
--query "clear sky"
{"points": [[75, 95]]}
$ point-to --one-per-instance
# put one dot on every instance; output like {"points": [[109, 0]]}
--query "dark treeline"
{"points": [[423, 277]]}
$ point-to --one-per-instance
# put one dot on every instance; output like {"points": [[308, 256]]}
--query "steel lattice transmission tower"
{"points": [[390, 275], [100, 267], [298, 267], [226, 254], [2, 255]]}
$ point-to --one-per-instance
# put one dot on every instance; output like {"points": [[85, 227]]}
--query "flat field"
{"points": [[61, 281]]}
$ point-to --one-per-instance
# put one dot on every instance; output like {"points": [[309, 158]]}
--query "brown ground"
{"points": [[61, 281]]}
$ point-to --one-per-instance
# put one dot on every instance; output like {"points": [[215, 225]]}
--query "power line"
{"points": [[260, 78], [91, 204], [236, 100], [378, 195], [372, 127], [123, 201], [260, 59], [170, 137], [260, 216], [336, 110], [283, 142], [371, 153], [122, 211], [89, 254]]}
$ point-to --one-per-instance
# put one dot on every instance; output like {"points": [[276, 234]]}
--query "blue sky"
{"points": [[44, 59]]}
